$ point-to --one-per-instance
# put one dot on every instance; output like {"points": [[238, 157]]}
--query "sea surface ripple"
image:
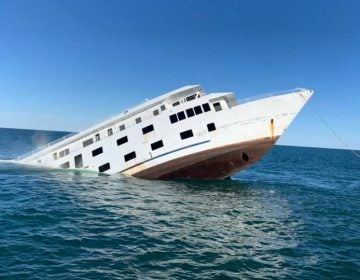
{"points": [[294, 215]]}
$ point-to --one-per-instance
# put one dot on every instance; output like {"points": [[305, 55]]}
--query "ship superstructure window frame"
{"points": [[157, 145], [65, 165], [110, 132], [122, 140], [181, 115], [104, 167], [88, 142], [217, 106], [177, 103], [97, 152], [198, 110], [190, 97], [211, 127], [156, 112], [55, 156], [78, 160], [130, 156], [64, 153], [122, 127], [97, 137], [206, 107], [138, 120], [190, 113], [147, 129], [173, 118], [162, 107], [186, 134]]}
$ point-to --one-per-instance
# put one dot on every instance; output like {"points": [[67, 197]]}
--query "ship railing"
{"points": [[269, 94]]}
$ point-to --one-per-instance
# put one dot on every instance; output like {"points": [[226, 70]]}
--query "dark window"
{"points": [[97, 137], [163, 107], [173, 118], [156, 112], [217, 106], [122, 140], [130, 156], [110, 132], [186, 134], [88, 142], [157, 145], [211, 127], [206, 107], [122, 127], [104, 167], [191, 97], [65, 165], [181, 116], [177, 103], [64, 153], [190, 112], [97, 151], [148, 129], [138, 120], [78, 161], [198, 110]]}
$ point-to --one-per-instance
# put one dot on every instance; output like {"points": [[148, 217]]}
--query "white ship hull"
{"points": [[184, 140]]}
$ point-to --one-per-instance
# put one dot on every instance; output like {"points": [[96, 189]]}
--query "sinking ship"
{"points": [[185, 133]]}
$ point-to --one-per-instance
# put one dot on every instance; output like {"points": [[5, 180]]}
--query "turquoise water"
{"points": [[295, 215]]}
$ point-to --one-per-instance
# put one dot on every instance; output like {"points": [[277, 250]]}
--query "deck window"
{"points": [[206, 107], [122, 140], [157, 145], [97, 152], [78, 161], [55, 156], [190, 112], [104, 167], [110, 132], [148, 129], [163, 107], [181, 116], [198, 110], [65, 165], [88, 142], [211, 127], [64, 153], [130, 156], [191, 97], [186, 134], [156, 112], [177, 103], [138, 120], [122, 127], [217, 106], [173, 118], [97, 137]]}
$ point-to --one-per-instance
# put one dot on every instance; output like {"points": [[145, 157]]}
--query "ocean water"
{"points": [[294, 215]]}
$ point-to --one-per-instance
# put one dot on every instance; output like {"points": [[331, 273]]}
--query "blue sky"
{"points": [[67, 64]]}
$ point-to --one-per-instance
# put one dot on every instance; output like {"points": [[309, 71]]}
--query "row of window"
{"points": [[197, 110]]}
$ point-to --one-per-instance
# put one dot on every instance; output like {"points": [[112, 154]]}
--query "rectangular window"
{"points": [[156, 112], [122, 140], [110, 132], [148, 129], [55, 156], [78, 161], [104, 167], [211, 127], [97, 137], [163, 107], [138, 120], [206, 107], [186, 134], [177, 103], [64, 153], [198, 110], [88, 142], [130, 156], [190, 112], [65, 165], [191, 97], [97, 151], [217, 106], [157, 145], [181, 116], [122, 127], [173, 118]]}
